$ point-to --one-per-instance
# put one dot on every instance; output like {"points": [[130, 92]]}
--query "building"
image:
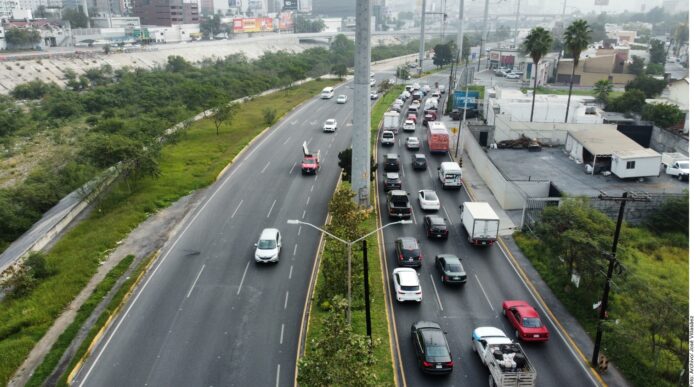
{"points": [[676, 93], [6, 7], [115, 22], [333, 8], [166, 12], [606, 64]]}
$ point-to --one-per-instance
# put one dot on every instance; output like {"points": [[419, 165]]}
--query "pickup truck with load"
{"points": [[507, 363], [480, 222], [676, 164], [398, 205], [390, 121], [310, 161]]}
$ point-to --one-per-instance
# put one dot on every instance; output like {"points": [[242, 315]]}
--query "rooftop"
{"points": [[601, 142]]}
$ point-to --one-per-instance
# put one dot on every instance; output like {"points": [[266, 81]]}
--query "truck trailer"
{"points": [[480, 222]]}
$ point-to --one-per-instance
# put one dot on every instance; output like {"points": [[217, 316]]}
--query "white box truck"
{"points": [[480, 222], [676, 164], [450, 175], [390, 121]]}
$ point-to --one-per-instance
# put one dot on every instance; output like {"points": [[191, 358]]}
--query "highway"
{"points": [[491, 279], [207, 314]]}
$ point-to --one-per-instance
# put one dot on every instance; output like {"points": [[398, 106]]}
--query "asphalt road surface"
{"points": [[491, 279], [208, 315]]}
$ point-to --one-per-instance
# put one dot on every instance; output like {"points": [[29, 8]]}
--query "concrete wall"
{"points": [[666, 141], [550, 133], [534, 188]]}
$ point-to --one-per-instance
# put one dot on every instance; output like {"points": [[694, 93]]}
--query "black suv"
{"points": [[456, 114], [435, 227], [408, 252], [431, 347], [419, 162], [391, 162], [391, 181]]}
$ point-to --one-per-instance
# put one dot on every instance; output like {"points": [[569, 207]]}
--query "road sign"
{"points": [[289, 5], [462, 98], [454, 130]]}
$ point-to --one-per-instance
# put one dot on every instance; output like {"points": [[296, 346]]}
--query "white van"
{"points": [[450, 175], [327, 93]]}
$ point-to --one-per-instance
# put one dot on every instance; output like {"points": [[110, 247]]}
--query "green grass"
{"points": [[192, 163], [544, 90], [53, 357]]}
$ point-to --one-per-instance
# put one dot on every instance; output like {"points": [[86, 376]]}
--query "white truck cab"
{"points": [[450, 175]]}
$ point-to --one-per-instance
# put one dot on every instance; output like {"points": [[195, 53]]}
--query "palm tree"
{"points": [[536, 45], [602, 89], [576, 38]]}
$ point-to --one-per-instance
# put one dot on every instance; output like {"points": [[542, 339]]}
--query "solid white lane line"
{"points": [[311, 189], [194, 281], [291, 169], [294, 251], [235, 210], [271, 209], [447, 215], [306, 204], [287, 139], [264, 168], [437, 295], [316, 177], [484, 292], [243, 276], [290, 275], [282, 331], [278, 376], [287, 293], [304, 213], [310, 140], [430, 174]]}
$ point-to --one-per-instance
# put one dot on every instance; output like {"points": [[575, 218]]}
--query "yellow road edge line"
{"points": [[97, 338]]}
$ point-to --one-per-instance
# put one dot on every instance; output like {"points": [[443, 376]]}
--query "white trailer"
{"points": [[390, 121], [509, 366], [480, 222], [635, 163]]}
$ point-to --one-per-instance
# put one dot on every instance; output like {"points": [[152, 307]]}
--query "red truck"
{"points": [[310, 161]]}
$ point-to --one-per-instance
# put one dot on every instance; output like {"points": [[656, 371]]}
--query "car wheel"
{"points": [[680, 177]]}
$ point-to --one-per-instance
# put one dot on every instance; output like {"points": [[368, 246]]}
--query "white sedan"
{"points": [[330, 125], [409, 126], [406, 285], [428, 200], [512, 76], [342, 98], [412, 143]]}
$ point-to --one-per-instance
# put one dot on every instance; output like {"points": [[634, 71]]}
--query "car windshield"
{"points": [[685, 165], [531, 322], [308, 161], [267, 244], [454, 268], [429, 195]]}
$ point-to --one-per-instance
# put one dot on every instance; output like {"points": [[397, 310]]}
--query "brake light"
{"points": [[401, 257], [446, 277], [450, 364], [427, 364]]}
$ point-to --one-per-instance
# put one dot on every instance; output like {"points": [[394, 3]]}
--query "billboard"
{"points": [[289, 5], [285, 21], [252, 24], [462, 98]]}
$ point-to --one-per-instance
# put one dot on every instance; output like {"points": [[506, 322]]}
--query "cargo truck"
{"points": [[390, 121], [480, 222]]}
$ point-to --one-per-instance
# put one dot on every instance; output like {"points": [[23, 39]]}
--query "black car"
{"points": [[408, 252], [391, 181], [391, 162], [450, 269], [431, 347], [456, 114], [419, 162], [435, 227]]}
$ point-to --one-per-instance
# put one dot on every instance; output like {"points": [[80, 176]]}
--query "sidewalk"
{"points": [[581, 341]]}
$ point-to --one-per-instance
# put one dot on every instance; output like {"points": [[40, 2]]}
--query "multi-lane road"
{"points": [[491, 279], [207, 315]]}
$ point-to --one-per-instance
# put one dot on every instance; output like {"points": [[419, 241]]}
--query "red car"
{"points": [[412, 117], [525, 320]]}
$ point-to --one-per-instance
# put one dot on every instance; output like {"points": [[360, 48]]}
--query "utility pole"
{"points": [[484, 35], [366, 285], [517, 20], [360, 178], [460, 30], [613, 263], [422, 38], [560, 53]]}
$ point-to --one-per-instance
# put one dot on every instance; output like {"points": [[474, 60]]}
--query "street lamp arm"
{"points": [[384, 226], [292, 221]]}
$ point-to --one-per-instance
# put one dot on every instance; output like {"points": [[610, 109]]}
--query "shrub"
{"points": [[269, 116]]}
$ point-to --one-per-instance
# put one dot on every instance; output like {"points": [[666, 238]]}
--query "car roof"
{"points": [[331, 120], [407, 276], [269, 233], [490, 332], [408, 242], [392, 175], [527, 311], [409, 122], [392, 156], [426, 324], [397, 192], [412, 139], [449, 258], [436, 220], [426, 191], [419, 156]]}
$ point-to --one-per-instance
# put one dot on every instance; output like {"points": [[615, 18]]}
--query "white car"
{"points": [[342, 98], [387, 137], [268, 246], [435, 94], [374, 96], [409, 126], [398, 102], [512, 76], [428, 200], [330, 125], [416, 102], [412, 143], [406, 285], [425, 89], [372, 82]]}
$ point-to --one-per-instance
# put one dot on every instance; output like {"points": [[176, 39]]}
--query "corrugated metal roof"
{"points": [[602, 142]]}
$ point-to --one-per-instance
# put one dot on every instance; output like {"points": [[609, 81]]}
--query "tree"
{"points": [[650, 86], [631, 101], [671, 217], [211, 26], [602, 89], [22, 37], [466, 49], [337, 355], [304, 24], [178, 64], [40, 12], [576, 38], [269, 115], [597, 32], [655, 69], [681, 36], [223, 112], [345, 160], [502, 32], [536, 45], [35, 89], [443, 54], [76, 17], [342, 50], [636, 66], [339, 69], [663, 115], [658, 52]]}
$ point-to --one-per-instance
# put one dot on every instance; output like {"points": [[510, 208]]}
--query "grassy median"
{"points": [[190, 164]]}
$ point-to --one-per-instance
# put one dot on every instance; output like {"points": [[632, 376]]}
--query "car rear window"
{"points": [[308, 161], [454, 268], [531, 322], [409, 288]]}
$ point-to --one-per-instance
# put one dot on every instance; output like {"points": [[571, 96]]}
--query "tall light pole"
{"points": [[460, 30], [517, 19], [484, 35], [360, 160], [421, 52], [349, 245]]}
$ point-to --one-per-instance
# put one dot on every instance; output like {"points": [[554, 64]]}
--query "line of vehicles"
{"points": [[505, 360]]}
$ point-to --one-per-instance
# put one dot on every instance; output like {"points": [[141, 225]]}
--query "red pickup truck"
{"points": [[310, 161]]}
